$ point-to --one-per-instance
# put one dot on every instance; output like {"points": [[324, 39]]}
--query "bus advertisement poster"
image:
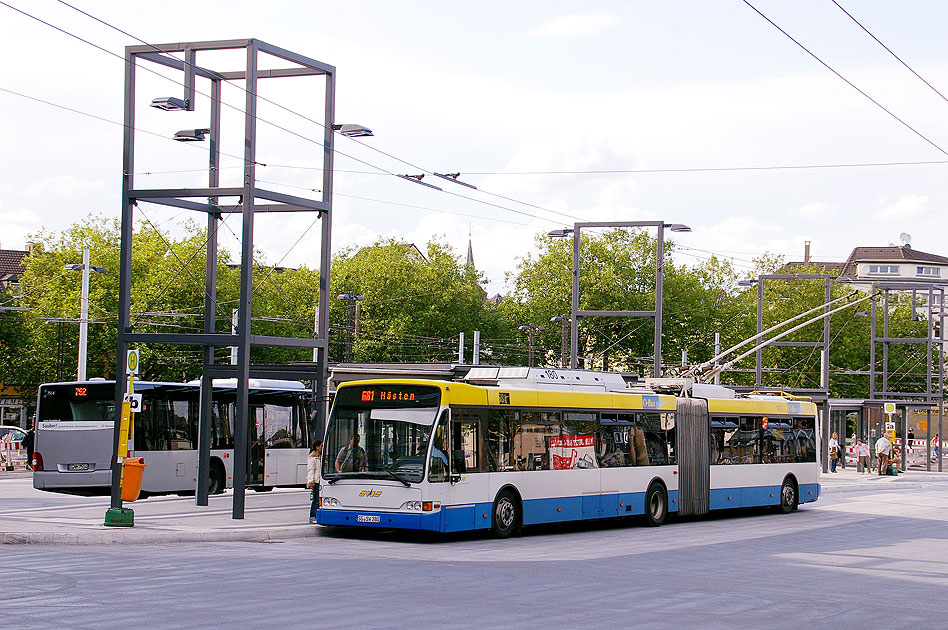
{"points": [[567, 453]]}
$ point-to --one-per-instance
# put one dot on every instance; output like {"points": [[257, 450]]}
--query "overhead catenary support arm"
{"points": [[717, 358], [721, 368]]}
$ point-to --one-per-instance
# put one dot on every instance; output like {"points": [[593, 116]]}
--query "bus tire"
{"points": [[656, 505], [261, 488], [506, 515], [215, 478], [789, 497]]}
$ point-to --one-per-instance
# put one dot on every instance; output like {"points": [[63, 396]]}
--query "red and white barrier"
{"points": [[12, 456], [917, 451]]}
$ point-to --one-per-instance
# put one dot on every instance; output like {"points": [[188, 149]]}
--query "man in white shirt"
{"points": [[883, 448]]}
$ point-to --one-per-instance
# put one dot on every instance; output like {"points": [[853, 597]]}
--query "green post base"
{"points": [[119, 517]]}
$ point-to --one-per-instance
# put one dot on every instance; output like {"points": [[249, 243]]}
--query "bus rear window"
{"points": [[77, 402]]}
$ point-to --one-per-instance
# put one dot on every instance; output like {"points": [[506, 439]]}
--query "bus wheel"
{"points": [[215, 479], [506, 515], [788, 496], [656, 505], [261, 488]]}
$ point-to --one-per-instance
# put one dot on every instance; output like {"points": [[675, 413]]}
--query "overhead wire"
{"points": [[889, 50], [303, 116], [847, 81]]}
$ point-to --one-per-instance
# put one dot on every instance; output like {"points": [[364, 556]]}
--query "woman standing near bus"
{"points": [[313, 461]]}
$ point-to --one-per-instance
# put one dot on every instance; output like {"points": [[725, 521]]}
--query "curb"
{"points": [[910, 485], [128, 536]]}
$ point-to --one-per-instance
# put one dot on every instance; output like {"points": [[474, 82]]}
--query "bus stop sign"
{"points": [[132, 362], [889, 408]]}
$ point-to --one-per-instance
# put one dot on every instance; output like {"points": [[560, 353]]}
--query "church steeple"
{"points": [[470, 248]]}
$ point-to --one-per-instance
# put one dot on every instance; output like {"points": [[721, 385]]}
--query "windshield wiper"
{"points": [[397, 476]]}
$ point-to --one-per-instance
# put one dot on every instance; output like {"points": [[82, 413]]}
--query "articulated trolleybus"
{"points": [[75, 428], [511, 447]]}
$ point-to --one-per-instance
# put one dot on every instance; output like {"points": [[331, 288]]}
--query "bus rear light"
{"points": [[427, 506], [37, 462]]}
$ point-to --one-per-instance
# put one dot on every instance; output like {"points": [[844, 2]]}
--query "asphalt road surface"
{"points": [[852, 560]]}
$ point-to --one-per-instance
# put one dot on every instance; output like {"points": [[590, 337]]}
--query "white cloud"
{"points": [[905, 208], [817, 209], [573, 26]]}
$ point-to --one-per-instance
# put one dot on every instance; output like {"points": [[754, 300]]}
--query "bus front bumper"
{"points": [[429, 521]]}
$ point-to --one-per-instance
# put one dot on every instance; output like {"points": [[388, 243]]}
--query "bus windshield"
{"points": [[380, 431]]}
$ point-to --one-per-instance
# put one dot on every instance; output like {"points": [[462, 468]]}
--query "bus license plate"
{"points": [[74, 467], [362, 518]]}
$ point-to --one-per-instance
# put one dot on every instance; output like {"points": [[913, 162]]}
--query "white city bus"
{"points": [[75, 422], [514, 447]]}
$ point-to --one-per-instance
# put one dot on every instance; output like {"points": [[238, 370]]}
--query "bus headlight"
{"points": [[328, 502], [412, 505]]}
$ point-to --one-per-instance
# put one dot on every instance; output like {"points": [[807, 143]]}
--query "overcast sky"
{"points": [[673, 93]]}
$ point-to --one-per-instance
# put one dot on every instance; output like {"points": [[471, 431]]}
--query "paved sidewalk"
{"points": [[848, 480], [28, 516]]}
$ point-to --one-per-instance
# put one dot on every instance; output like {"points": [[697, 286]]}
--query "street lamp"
{"points": [[85, 268], [655, 314], [351, 130], [352, 312], [191, 135], [531, 329]]}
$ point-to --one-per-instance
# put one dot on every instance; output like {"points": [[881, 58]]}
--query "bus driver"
{"points": [[351, 457]]}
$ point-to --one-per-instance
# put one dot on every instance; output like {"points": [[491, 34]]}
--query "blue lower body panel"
{"points": [[758, 496], [809, 492]]}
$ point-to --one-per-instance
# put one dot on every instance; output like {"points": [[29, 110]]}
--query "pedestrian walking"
{"points": [[834, 452], [935, 450], [313, 461], [862, 453], [883, 448]]}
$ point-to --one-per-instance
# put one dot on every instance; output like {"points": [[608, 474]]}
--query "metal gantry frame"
{"points": [[823, 345], [655, 314], [935, 293], [215, 201]]}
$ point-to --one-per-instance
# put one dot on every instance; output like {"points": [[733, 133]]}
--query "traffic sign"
{"points": [[132, 362], [135, 402], [889, 407]]}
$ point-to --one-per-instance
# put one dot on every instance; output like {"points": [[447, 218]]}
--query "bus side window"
{"points": [[499, 439], [613, 442], [804, 440], [750, 439], [725, 440], [465, 441]]}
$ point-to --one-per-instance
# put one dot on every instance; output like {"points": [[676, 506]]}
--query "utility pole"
{"points": [[86, 269], [564, 331], [531, 331]]}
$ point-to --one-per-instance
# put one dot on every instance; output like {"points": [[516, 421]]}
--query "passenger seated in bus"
{"points": [[351, 457], [637, 451]]}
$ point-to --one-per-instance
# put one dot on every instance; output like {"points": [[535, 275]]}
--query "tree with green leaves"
{"points": [[617, 272], [414, 303]]}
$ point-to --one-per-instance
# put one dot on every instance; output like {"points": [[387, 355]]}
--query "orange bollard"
{"points": [[132, 478]]}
